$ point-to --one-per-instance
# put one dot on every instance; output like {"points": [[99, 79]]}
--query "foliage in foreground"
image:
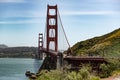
{"points": [[82, 74], [110, 69]]}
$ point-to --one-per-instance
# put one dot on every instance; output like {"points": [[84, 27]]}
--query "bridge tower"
{"points": [[52, 25], [53, 58], [40, 46]]}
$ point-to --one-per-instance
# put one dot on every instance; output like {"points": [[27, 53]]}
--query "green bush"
{"points": [[95, 78], [116, 73], [105, 72], [109, 68], [82, 74]]}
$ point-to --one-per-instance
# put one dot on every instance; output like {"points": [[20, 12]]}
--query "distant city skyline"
{"points": [[22, 20]]}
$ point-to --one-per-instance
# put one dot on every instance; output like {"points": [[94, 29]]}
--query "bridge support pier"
{"points": [[59, 60], [51, 63]]}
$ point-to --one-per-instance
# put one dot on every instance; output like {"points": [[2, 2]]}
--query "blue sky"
{"points": [[22, 20]]}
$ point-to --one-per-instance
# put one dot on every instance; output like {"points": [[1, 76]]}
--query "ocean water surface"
{"points": [[15, 68]]}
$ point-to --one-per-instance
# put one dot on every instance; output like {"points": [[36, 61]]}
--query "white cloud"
{"points": [[39, 14], [12, 1], [24, 14], [21, 21], [90, 13]]}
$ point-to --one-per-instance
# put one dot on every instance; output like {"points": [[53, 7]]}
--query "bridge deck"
{"points": [[75, 58], [50, 52], [88, 58], [75, 61]]}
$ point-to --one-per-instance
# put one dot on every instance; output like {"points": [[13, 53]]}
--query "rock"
{"points": [[33, 76], [28, 73]]}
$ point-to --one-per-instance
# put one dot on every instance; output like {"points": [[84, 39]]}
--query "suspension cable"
{"points": [[63, 29], [45, 33]]}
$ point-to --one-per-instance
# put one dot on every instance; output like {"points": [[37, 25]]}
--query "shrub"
{"points": [[94, 78], [108, 69], [82, 74]]}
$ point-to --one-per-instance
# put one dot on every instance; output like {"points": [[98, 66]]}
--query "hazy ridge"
{"points": [[18, 52]]}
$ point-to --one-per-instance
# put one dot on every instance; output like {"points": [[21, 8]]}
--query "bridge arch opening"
{"points": [[52, 22], [52, 45], [52, 12], [52, 33]]}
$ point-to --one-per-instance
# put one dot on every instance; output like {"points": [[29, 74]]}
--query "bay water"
{"points": [[15, 68]]}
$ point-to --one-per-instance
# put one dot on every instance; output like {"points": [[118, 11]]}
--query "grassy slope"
{"points": [[108, 44]]}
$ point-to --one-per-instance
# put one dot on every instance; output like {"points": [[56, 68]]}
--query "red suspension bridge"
{"points": [[53, 43]]}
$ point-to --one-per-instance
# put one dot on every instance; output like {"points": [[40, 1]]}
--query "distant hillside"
{"points": [[3, 46], [107, 45], [18, 52]]}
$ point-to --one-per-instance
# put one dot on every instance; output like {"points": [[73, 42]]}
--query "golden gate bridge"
{"points": [[54, 40]]}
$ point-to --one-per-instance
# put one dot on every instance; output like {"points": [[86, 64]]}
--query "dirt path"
{"points": [[112, 78]]}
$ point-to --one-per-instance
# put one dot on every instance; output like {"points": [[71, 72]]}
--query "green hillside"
{"points": [[107, 45]]}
